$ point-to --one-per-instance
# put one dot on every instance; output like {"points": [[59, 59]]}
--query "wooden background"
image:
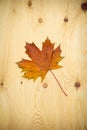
{"points": [[27, 105]]}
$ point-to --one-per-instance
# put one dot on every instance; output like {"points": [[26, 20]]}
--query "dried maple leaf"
{"points": [[41, 61]]}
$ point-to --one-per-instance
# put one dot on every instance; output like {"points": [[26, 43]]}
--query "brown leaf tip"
{"points": [[48, 43]]}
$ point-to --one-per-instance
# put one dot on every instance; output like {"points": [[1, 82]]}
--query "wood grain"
{"points": [[27, 105]]}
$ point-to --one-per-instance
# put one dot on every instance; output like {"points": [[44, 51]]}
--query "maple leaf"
{"points": [[41, 61]]}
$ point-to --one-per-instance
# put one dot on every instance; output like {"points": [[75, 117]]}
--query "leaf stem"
{"points": [[58, 83]]}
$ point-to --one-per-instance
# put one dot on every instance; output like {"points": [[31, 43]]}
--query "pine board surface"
{"points": [[27, 105]]}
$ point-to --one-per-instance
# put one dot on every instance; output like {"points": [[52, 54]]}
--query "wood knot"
{"points": [[29, 3], [2, 84], [84, 6], [40, 20], [21, 82], [13, 10], [77, 84], [45, 85], [66, 19]]}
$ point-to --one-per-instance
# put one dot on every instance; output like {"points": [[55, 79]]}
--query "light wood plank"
{"points": [[24, 104]]}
